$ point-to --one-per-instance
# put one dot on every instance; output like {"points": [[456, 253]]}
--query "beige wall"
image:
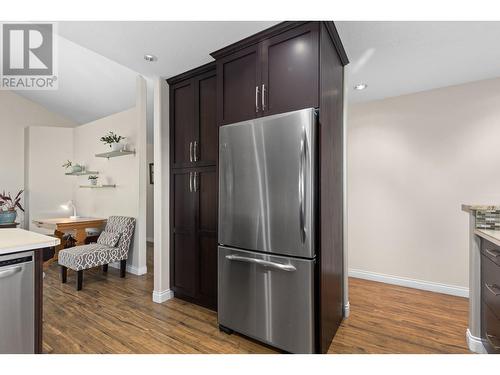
{"points": [[412, 161], [16, 114]]}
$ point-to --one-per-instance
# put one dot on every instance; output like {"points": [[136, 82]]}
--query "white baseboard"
{"points": [[132, 269], [475, 344], [160, 297], [347, 310], [411, 283]]}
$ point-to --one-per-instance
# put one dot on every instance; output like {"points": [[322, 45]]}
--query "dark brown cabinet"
{"points": [[193, 185], [275, 75], [193, 118]]}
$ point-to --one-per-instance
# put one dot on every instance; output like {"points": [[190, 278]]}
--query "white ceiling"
{"points": [[99, 61], [179, 45], [397, 58]]}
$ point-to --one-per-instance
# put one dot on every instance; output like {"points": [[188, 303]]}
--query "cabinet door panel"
{"points": [[207, 117], [208, 200], [183, 127], [182, 202], [207, 236], [290, 71], [238, 75], [185, 251], [207, 286]]}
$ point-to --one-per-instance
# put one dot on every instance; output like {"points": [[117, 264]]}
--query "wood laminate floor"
{"points": [[113, 315]]}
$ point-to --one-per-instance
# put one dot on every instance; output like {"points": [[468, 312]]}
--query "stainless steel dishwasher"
{"points": [[17, 303]]}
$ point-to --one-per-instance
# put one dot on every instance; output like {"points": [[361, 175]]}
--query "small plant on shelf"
{"points": [[68, 164], [74, 167], [113, 141], [93, 180], [9, 206]]}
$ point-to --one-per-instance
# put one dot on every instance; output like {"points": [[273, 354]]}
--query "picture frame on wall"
{"points": [[151, 173]]}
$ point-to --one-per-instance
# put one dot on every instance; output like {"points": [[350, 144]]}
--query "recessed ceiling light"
{"points": [[150, 58], [360, 86]]}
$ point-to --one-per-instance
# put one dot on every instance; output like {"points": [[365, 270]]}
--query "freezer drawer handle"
{"points": [[490, 288], [10, 272], [265, 263], [493, 253]]}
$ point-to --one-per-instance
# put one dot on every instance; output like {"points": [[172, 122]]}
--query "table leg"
{"points": [[59, 247], [81, 236]]}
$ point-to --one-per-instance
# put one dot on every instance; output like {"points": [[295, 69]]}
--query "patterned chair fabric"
{"points": [[88, 256]]}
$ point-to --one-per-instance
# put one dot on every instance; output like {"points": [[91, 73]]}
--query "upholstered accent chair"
{"points": [[112, 246]]}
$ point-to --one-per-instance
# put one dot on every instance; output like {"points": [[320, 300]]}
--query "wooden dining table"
{"points": [[77, 226]]}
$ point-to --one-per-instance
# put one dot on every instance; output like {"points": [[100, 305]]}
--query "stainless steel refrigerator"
{"points": [[267, 229]]}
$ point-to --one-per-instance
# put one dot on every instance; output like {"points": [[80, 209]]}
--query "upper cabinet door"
{"points": [[238, 79], [290, 73], [182, 129], [205, 148]]}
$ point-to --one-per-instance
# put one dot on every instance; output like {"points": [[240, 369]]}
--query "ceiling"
{"points": [[397, 58], [99, 61], [178, 45]]}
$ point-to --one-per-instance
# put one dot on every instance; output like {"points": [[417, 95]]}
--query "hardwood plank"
{"points": [[114, 315]]}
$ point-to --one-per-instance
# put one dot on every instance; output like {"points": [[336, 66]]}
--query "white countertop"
{"points": [[16, 240], [489, 234]]}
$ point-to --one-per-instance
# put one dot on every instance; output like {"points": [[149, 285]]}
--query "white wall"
{"points": [[17, 113], [47, 150], [412, 161]]}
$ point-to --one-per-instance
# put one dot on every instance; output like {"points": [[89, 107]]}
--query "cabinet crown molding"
{"points": [[278, 29], [190, 73]]}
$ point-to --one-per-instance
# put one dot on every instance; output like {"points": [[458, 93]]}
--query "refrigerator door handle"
{"points": [[302, 188], [190, 182], [190, 152], [261, 262]]}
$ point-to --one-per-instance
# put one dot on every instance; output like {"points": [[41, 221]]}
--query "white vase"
{"points": [[93, 182], [116, 147]]}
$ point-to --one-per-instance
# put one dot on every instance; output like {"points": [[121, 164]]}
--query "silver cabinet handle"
{"points": [[10, 272], [195, 181], [190, 152], [195, 151], [494, 254], [492, 338], [263, 96], [302, 188], [490, 288], [190, 182], [265, 263], [256, 98]]}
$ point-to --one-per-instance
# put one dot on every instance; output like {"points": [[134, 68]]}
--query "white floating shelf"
{"points": [[97, 186], [83, 173], [114, 154]]}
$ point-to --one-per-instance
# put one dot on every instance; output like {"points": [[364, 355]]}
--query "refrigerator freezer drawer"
{"points": [[269, 298]]}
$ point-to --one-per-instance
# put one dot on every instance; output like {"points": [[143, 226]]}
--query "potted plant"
{"points": [[75, 168], [93, 180], [8, 206], [113, 140]]}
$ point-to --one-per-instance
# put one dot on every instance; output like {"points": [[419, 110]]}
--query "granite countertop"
{"points": [[489, 234], [479, 207], [16, 240]]}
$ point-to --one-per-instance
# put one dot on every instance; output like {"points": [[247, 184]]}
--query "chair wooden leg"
{"points": [[64, 274], [123, 266], [79, 280], [104, 268]]}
